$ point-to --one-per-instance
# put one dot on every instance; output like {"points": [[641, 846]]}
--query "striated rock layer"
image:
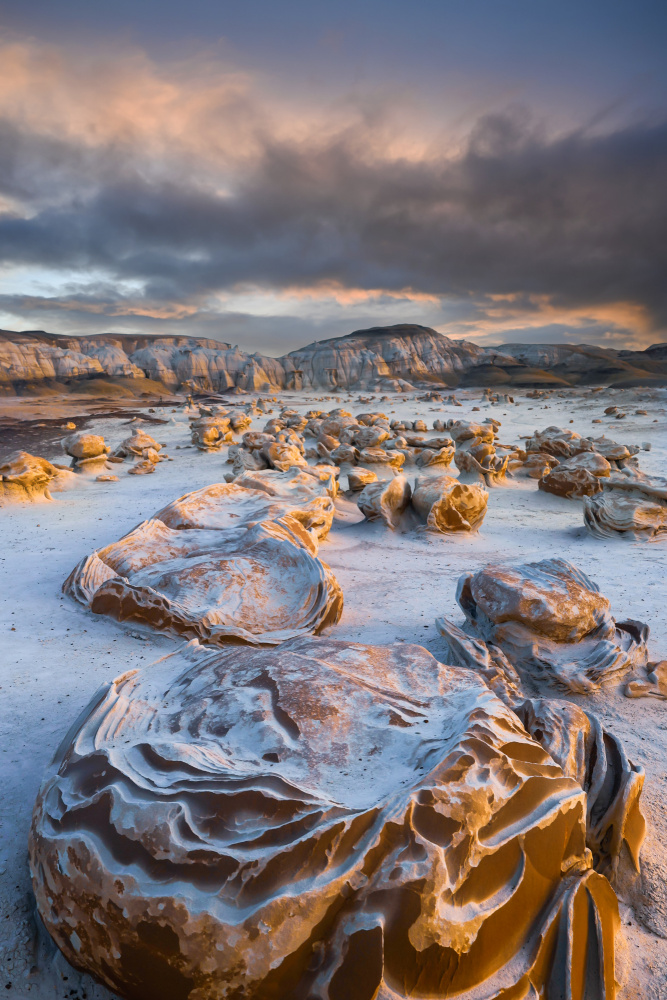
{"points": [[445, 504], [224, 564], [29, 478], [325, 820], [550, 621], [392, 358], [632, 505]]}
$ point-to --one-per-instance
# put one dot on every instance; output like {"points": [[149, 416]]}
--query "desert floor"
{"points": [[55, 654]]}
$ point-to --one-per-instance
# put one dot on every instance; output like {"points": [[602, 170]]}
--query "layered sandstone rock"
{"points": [[435, 456], [445, 504], [559, 442], [550, 621], [323, 820], [615, 514], [283, 456], [652, 685], [480, 463], [87, 451], [399, 354], [538, 464], [596, 759], [211, 433], [358, 478], [27, 360], [243, 459], [258, 582], [299, 482], [26, 477], [136, 445], [387, 359], [632, 505], [569, 482], [385, 501], [228, 505]]}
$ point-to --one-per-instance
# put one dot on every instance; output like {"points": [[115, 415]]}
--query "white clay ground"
{"points": [[54, 654]]}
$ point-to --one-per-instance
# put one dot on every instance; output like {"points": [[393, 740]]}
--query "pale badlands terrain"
{"points": [[55, 653]]}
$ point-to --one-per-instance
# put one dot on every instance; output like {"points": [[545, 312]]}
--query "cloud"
{"points": [[198, 188]]}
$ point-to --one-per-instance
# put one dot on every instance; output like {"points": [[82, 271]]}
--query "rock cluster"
{"points": [[268, 814]]}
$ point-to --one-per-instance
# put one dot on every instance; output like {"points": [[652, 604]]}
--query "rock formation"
{"points": [[283, 456], [211, 433], [87, 451], [653, 686], [566, 481], [136, 446], [323, 820], [445, 504], [596, 759], [392, 359], [435, 456], [26, 477], [298, 483], [631, 505], [358, 478], [257, 582], [228, 505], [386, 500], [538, 464], [551, 623]]}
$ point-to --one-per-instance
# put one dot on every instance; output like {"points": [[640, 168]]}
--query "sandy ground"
{"points": [[55, 654]]}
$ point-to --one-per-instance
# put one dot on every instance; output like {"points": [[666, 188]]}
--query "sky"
{"points": [[272, 173]]}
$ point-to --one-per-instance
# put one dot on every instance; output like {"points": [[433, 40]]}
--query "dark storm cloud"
{"points": [[581, 219]]}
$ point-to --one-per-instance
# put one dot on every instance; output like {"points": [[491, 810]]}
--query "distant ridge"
{"points": [[382, 358]]}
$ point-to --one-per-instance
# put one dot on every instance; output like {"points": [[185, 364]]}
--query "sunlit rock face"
{"points": [[136, 445], [112, 357], [446, 505], [34, 361], [323, 820], [223, 564], [297, 483], [610, 515], [211, 433], [596, 759], [29, 478], [385, 500], [87, 451], [550, 621], [366, 357], [388, 359], [206, 364]]}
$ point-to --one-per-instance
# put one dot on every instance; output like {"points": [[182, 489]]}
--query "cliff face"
{"points": [[584, 363], [27, 358], [406, 352], [385, 358]]}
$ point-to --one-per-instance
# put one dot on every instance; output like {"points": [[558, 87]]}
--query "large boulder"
{"points": [[87, 451], [259, 581], [445, 504], [327, 819], [551, 622]]}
